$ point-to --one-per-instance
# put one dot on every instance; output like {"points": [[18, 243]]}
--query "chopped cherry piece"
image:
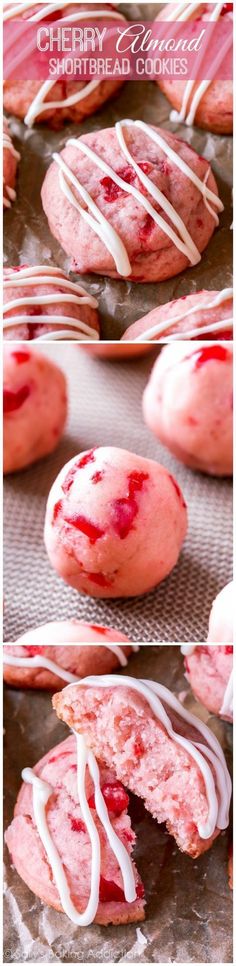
{"points": [[14, 400], [228, 649], [97, 477], [102, 630], [217, 352], [80, 463], [125, 510], [140, 890], [115, 796], [76, 824], [112, 190], [146, 228], [98, 578], [20, 356], [110, 892], [57, 510], [178, 490], [139, 748], [227, 8], [34, 649], [85, 526]]}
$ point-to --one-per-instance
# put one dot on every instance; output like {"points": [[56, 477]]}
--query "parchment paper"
{"points": [[188, 913], [105, 410], [27, 238]]}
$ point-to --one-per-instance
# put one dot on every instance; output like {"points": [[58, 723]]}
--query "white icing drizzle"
{"points": [[38, 105], [102, 227], [44, 662], [10, 193], [227, 704], [217, 785], [187, 113], [187, 649], [162, 327], [41, 795], [74, 294]]}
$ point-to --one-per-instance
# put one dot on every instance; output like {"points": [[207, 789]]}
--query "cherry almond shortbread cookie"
{"points": [[188, 404], [206, 103], [209, 670], [41, 303], [159, 750], [71, 838], [53, 102], [35, 666], [200, 314], [131, 202], [115, 523], [34, 406]]}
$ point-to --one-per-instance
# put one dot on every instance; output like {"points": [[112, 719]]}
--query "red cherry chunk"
{"points": [[76, 824], [227, 8], [110, 892], [33, 650], [20, 356], [80, 522], [14, 400], [228, 649], [115, 796], [216, 352]]}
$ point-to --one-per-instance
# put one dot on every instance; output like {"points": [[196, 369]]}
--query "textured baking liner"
{"points": [[27, 236], [189, 904], [105, 409]]}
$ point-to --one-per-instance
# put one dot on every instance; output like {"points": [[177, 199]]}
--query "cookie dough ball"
{"points": [[10, 163], [65, 100], [41, 302], [208, 314], [211, 108], [138, 179], [188, 405], [221, 621], [115, 523], [34, 406]]}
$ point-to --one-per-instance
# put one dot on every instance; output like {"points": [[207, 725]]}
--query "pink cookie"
{"points": [[209, 670], [151, 741], [221, 620], [208, 314], [10, 162], [211, 107], [188, 405], [40, 302], [53, 103], [67, 887], [113, 199], [34, 666], [34, 407], [115, 523]]}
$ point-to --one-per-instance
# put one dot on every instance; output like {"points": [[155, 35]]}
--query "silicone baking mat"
{"points": [[189, 904], [105, 409], [29, 240]]}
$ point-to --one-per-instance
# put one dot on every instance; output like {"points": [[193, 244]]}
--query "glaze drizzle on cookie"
{"points": [[162, 327], [189, 106], [72, 293], [177, 231], [44, 662], [39, 104]]}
